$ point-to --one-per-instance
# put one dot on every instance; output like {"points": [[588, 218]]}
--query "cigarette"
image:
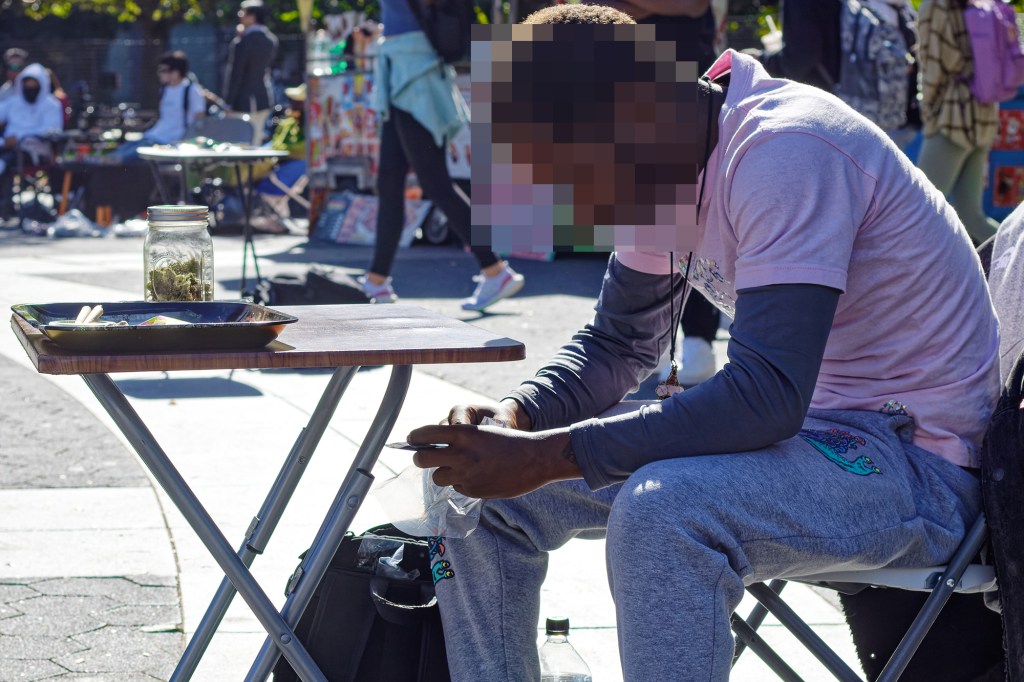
{"points": [[94, 315], [82, 314]]}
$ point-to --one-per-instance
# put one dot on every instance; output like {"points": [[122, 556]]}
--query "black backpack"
{"points": [[446, 23], [370, 621]]}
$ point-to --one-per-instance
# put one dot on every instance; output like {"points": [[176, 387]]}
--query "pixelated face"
{"points": [[590, 135]]}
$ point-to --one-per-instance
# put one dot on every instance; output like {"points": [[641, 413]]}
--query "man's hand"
{"points": [[10, 142], [490, 462], [508, 412]]}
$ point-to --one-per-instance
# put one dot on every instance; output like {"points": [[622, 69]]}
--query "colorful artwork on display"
{"points": [[1008, 186], [1011, 131], [340, 124], [350, 218], [343, 123]]}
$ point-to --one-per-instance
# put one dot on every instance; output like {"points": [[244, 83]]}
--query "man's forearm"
{"points": [[609, 357]]}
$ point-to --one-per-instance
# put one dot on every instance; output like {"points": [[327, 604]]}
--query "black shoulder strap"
{"points": [[188, 89]]}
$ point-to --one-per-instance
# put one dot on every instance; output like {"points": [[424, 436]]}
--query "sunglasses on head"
{"points": [[163, 69]]}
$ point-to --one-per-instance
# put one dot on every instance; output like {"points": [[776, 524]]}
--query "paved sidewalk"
{"points": [[100, 579]]}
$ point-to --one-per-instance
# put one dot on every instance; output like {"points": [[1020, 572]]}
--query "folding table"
{"points": [[343, 337]]}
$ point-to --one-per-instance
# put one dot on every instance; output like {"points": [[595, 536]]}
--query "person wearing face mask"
{"points": [[26, 118], [15, 60]]}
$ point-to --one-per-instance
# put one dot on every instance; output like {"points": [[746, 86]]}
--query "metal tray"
{"points": [[212, 325]]}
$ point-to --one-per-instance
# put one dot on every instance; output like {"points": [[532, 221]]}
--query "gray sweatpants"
{"points": [[685, 535]]}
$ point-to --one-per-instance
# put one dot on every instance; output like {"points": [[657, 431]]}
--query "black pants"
{"points": [[700, 318], [404, 142]]}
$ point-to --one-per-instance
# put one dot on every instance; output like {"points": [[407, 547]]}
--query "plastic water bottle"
{"points": [[559, 661]]}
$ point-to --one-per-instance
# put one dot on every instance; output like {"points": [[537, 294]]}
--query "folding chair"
{"points": [[962, 575], [285, 184], [35, 164], [236, 130], [959, 576]]}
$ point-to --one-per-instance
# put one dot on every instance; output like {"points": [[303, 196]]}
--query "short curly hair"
{"points": [[578, 14]]}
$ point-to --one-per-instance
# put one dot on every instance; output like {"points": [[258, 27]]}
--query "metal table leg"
{"points": [[156, 460], [154, 167], [248, 245], [343, 510], [264, 523]]}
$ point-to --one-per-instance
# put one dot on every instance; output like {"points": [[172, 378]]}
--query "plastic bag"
{"points": [[418, 506]]}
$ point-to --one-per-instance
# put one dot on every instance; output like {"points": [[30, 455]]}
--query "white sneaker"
{"points": [[492, 289], [698, 362], [377, 293]]}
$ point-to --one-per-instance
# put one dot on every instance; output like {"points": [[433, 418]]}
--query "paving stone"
{"points": [[16, 647], [143, 615], [143, 589], [36, 450], [55, 616], [30, 671], [12, 592], [8, 611], [117, 649]]}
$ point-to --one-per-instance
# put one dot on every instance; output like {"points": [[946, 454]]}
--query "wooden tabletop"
{"points": [[324, 336], [191, 153]]}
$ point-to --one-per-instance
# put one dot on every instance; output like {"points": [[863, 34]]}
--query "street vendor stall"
{"points": [[342, 124]]}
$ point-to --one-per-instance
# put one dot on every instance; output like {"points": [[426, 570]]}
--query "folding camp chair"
{"points": [[959, 576], [962, 575], [283, 187], [34, 166]]}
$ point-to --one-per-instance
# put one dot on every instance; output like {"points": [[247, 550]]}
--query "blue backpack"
{"points": [[876, 62]]}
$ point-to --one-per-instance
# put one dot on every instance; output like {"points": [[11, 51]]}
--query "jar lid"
{"points": [[177, 214]]}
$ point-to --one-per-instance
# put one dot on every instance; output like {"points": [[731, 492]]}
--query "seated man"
{"points": [[26, 118], [181, 103], [863, 361]]}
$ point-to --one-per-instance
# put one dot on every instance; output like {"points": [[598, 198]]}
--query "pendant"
{"points": [[669, 386]]}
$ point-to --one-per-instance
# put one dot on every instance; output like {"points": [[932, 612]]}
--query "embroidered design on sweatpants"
{"points": [[442, 570], [436, 546], [834, 443], [895, 408]]}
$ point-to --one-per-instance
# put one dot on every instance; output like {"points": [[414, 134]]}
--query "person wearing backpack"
{"points": [[182, 101], [958, 129], [860, 50], [420, 108]]}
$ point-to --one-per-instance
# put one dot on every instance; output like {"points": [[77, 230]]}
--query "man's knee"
{"points": [[664, 501]]}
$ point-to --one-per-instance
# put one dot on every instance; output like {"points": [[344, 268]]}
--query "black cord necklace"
{"points": [[671, 385]]}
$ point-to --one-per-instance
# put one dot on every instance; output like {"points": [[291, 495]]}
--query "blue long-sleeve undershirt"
{"points": [[761, 396]]}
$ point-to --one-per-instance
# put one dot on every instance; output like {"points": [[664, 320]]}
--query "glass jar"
{"points": [[178, 255]]}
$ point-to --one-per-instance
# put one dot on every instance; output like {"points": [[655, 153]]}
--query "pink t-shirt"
{"points": [[801, 192]]}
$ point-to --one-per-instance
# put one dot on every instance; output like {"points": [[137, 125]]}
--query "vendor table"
{"points": [[238, 157], [343, 337]]}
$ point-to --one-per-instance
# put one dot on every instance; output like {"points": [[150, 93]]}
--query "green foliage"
{"points": [[282, 15]]}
